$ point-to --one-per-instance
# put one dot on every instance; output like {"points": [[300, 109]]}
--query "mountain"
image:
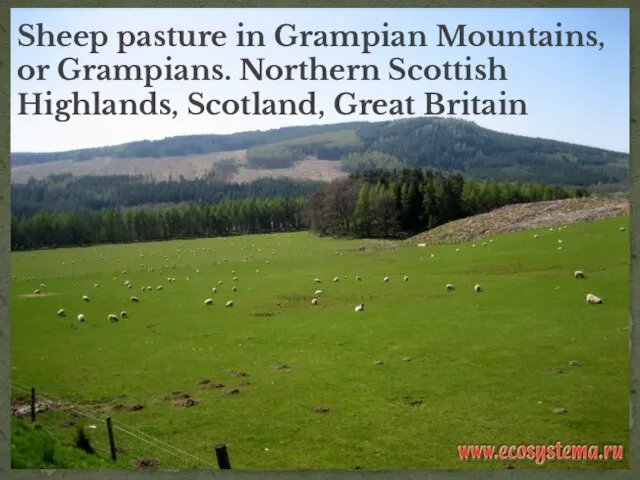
{"points": [[326, 152]]}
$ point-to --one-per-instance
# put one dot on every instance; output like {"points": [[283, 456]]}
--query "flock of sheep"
{"points": [[112, 317]]}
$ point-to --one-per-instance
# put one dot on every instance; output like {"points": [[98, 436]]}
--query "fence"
{"points": [[119, 441]]}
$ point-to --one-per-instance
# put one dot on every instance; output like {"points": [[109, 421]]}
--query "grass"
{"points": [[480, 362]]}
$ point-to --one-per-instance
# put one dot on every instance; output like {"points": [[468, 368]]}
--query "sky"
{"points": [[576, 95]]}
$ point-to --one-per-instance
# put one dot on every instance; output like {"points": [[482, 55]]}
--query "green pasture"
{"points": [[481, 370]]}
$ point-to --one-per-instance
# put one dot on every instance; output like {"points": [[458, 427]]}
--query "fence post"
{"points": [[223, 457], [112, 443], [33, 404]]}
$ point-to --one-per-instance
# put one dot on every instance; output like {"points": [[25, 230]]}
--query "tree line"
{"points": [[373, 204], [395, 204]]}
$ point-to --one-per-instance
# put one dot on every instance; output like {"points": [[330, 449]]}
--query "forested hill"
{"points": [[445, 144]]}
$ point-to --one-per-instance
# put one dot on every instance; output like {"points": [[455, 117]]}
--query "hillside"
{"points": [[513, 218], [326, 152]]}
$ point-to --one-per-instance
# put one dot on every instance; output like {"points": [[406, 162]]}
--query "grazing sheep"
{"points": [[229, 304], [422, 244], [61, 313], [42, 285], [234, 289], [318, 292], [578, 274], [123, 314], [559, 248], [86, 298], [144, 289], [235, 279], [478, 288], [457, 250], [406, 278], [219, 282], [112, 318], [484, 244], [127, 283], [159, 287], [474, 245], [336, 279], [450, 287], [134, 299], [622, 229], [80, 317], [359, 278], [559, 241], [208, 301], [149, 288], [214, 290], [535, 235], [129, 287], [591, 298], [314, 301], [95, 285], [36, 292], [386, 279], [359, 308], [317, 280]]}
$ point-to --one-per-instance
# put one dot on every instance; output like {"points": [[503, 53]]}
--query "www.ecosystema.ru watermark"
{"points": [[542, 453]]}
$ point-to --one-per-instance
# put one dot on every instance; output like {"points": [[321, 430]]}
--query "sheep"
{"points": [[559, 241], [473, 246], [123, 314], [592, 299], [314, 301], [450, 287], [61, 313], [149, 288], [144, 289], [127, 283], [457, 250], [235, 279], [159, 287], [36, 292], [219, 282], [112, 318], [317, 280], [80, 317], [95, 285], [208, 301], [406, 278], [129, 287], [214, 290], [134, 299], [386, 279], [422, 244], [359, 278], [622, 229], [234, 289], [336, 279], [578, 274], [229, 304], [484, 244], [559, 248], [319, 292], [535, 235], [86, 298], [359, 308], [478, 288], [43, 285]]}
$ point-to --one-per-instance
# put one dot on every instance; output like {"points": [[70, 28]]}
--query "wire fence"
{"points": [[132, 446]]}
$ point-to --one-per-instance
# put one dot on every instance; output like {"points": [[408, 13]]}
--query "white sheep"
{"points": [[127, 283], [208, 301], [43, 285], [80, 317], [129, 287], [535, 235], [317, 280], [622, 229], [359, 278], [112, 317], [134, 299], [559, 241], [319, 292], [457, 250], [86, 298], [235, 279], [474, 245], [229, 304], [406, 278], [314, 301], [234, 289], [386, 279], [450, 287], [578, 274], [336, 279], [95, 285], [359, 308], [36, 292], [144, 289], [591, 298], [149, 288], [61, 313], [214, 290], [219, 282], [159, 287], [478, 288], [123, 314]]}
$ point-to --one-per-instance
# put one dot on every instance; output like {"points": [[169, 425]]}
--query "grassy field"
{"points": [[481, 370]]}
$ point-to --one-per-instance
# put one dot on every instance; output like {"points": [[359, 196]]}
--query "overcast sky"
{"points": [[577, 95]]}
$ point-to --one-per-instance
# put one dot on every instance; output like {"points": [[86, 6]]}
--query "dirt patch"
{"points": [[321, 409], [23, 409], [411, 402], [187, 402], [136, 407], [177, 396], [36, 295], [119, 408], [262, 314], [554, 371], [233, 391], [525, 216], [145, 463], [283, 368], [67, 424], [244, 384], [239, 373], [209, 384]]}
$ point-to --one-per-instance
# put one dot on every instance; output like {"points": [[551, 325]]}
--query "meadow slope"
{"points": [[485, 368]]}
